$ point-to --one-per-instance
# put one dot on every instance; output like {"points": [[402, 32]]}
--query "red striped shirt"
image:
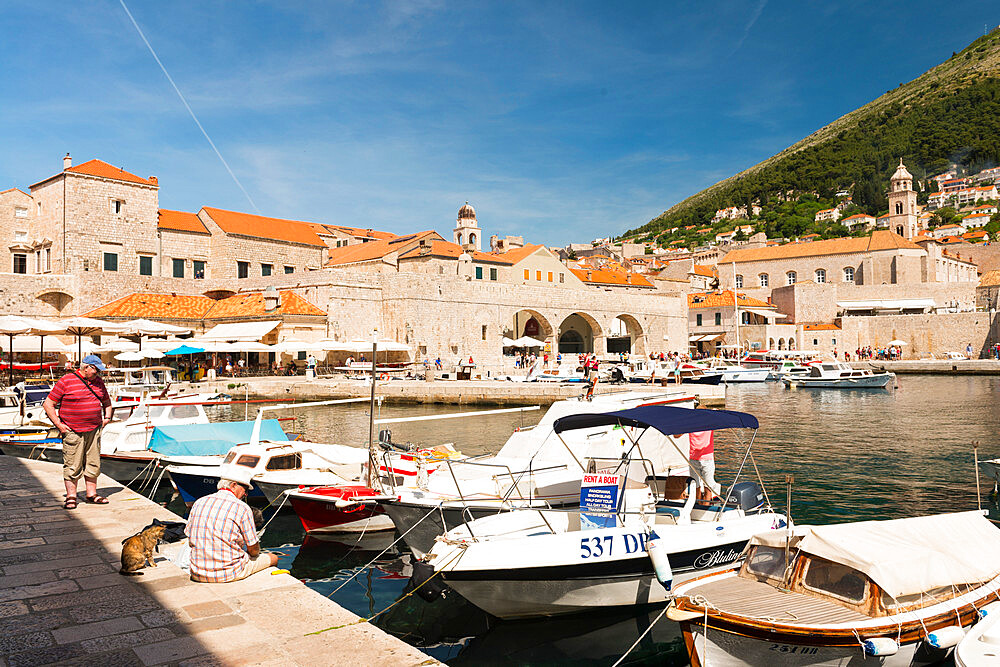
{"points": [[78, 407]]}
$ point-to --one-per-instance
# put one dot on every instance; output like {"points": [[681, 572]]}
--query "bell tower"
{"points": [[902, 203], [467, 232]]}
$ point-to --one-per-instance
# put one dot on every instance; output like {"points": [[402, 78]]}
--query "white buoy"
{"points": [[657, 551], [879, 646], [946, 637]]}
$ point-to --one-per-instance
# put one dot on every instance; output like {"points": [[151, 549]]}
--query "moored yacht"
{"points": [[838, 375]]}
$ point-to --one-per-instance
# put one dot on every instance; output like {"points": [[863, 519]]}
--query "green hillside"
{"points": [[950, 113]]}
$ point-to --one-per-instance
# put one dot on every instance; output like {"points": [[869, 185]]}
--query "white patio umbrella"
{"points": [[119, 345], [290, 345], [527, 341], [507, 342], [130, 355], [88, 326], [143, 327], [897, 342], [11, 326]]}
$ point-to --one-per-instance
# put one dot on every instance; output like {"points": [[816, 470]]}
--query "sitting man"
{"points": [[221, 533]]}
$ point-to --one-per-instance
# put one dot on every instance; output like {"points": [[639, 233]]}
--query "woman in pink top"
{"points": [[702, 463]]}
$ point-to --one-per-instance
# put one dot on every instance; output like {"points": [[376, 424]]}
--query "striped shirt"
{"points": [[78, 407], [219, 529]]}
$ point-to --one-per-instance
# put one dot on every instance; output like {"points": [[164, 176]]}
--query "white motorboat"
{"points": [[838, 375], [731, 373], [900, 592], [21, 405], [536, 467], [543, 562], [564, 372], [981, 645]]}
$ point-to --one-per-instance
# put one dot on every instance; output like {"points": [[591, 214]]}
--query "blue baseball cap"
{"points": [[95, 361]]}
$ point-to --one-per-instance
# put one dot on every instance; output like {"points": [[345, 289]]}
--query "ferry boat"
{"points": [[544, 562], [838, 375], [896, 592]]}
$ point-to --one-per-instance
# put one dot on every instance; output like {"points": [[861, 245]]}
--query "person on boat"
{"points": [[221, 532], [701, 458], [79, 406]]}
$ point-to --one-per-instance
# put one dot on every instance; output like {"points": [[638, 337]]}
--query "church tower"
{"points": [[466, 232], [902, 203]]}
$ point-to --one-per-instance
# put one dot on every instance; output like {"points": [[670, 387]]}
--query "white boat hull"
{"points": [[864, 382], [721, 649]]}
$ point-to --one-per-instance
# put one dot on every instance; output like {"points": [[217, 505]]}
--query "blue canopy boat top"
{"points": [[214, 439]]}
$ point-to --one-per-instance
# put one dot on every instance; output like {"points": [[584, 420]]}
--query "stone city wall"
{"points": [[925, 334]]}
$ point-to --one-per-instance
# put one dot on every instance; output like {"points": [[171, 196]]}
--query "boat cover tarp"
{"points": [[664, 418], [905, 556], [210, 439]]}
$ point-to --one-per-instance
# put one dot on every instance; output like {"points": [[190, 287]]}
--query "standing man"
{"points": [[221, 532], [79, 406]]}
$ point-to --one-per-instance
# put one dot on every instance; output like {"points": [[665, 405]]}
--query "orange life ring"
{"points": [[384, 376]]}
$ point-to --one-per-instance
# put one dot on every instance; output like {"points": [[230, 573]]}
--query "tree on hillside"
{"points": [[993, 226], [944, 216]]}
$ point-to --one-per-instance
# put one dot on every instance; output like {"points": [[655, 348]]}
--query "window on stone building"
{"points": [[821, 275], [848, 274], [20, 212], [762, 278], [744, 317], [718, 319], [790, 278], [266, 269], [527, 274], [117, 206], [484, 332], [739, 281], [242, 269], [48, 260], [20, 263], [479, 273], [550, 276], [178, 268], [39, 207], [562, 277], [816, 342], [198, 269], [38, 261], [698, 319], [110, 261], [493, 274], [538, 276], [289, 269], [145, 265]]}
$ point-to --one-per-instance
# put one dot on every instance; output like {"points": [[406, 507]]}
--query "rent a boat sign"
{"points": [[599, 501]]}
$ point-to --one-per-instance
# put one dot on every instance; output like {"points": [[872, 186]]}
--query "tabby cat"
{"points": [[137, 550]]}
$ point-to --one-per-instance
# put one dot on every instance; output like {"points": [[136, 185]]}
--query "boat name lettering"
{"points": [[786, 648], [713, 558], [595, 547]]}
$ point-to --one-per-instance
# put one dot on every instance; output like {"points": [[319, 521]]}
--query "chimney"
{"points": [[67, 162], [154, 180], [272, 299], [425, 247]]}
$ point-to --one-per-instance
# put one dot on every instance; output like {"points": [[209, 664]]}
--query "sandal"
{"points": [[69, 503], [95, 500]]}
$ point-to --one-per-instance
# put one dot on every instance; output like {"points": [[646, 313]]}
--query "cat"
{"points": [[137, 550]]}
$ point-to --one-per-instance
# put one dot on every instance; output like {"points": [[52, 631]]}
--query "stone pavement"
{"points": [[63, 601]]}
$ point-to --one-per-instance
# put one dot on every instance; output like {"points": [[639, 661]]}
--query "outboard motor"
{"points": [[746, 496], [428, 588], [617, 377]]}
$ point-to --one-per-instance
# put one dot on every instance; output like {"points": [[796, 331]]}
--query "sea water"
{"points": [[854, 455]]}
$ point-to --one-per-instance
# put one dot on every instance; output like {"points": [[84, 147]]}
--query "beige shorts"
{"points": [[255, 565], [81, 454]]}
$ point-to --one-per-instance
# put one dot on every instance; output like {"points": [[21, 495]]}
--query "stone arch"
{"points": [[458, 239], [625, 334], [770, 343], [527, 322], [472, 239], [586, 336], [791, 343], [781, 343]]}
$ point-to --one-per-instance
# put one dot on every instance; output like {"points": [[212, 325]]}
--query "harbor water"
{"points": [[854, 455]]}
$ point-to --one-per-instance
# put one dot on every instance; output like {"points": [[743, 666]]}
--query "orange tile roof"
{"points": [[180, 221], [702, 270], [358, 231], [951, 239], [262, 227], [449, 250], [602, 277], [517, 254], [882, 239], [723, 299], [821, 327], [373, 250], [155, 307], [857, 216], [183, 307], [105, 170], [252, 305], [990, 279]]}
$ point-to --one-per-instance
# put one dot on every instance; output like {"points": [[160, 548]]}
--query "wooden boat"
{"points": [[897, 592]]}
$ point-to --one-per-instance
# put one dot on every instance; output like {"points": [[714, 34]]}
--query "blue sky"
{"points": [[559, 121]]}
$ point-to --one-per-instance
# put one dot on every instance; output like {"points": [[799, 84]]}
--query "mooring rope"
{"points": [[644, 633]]}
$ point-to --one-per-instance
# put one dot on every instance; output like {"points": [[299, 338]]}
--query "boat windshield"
{"points": [[767, 562], [835, 580]]}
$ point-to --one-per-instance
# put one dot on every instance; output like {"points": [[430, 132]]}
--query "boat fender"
{"points": [[945, 637], [880, 646], [346, 505], [993, 608], [657, 551]]}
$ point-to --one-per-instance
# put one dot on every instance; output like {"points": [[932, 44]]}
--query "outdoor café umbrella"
{"points": [[142, 327], [897, 342], [11, 325], [88, 326], [527, 341], [184, 349]]}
